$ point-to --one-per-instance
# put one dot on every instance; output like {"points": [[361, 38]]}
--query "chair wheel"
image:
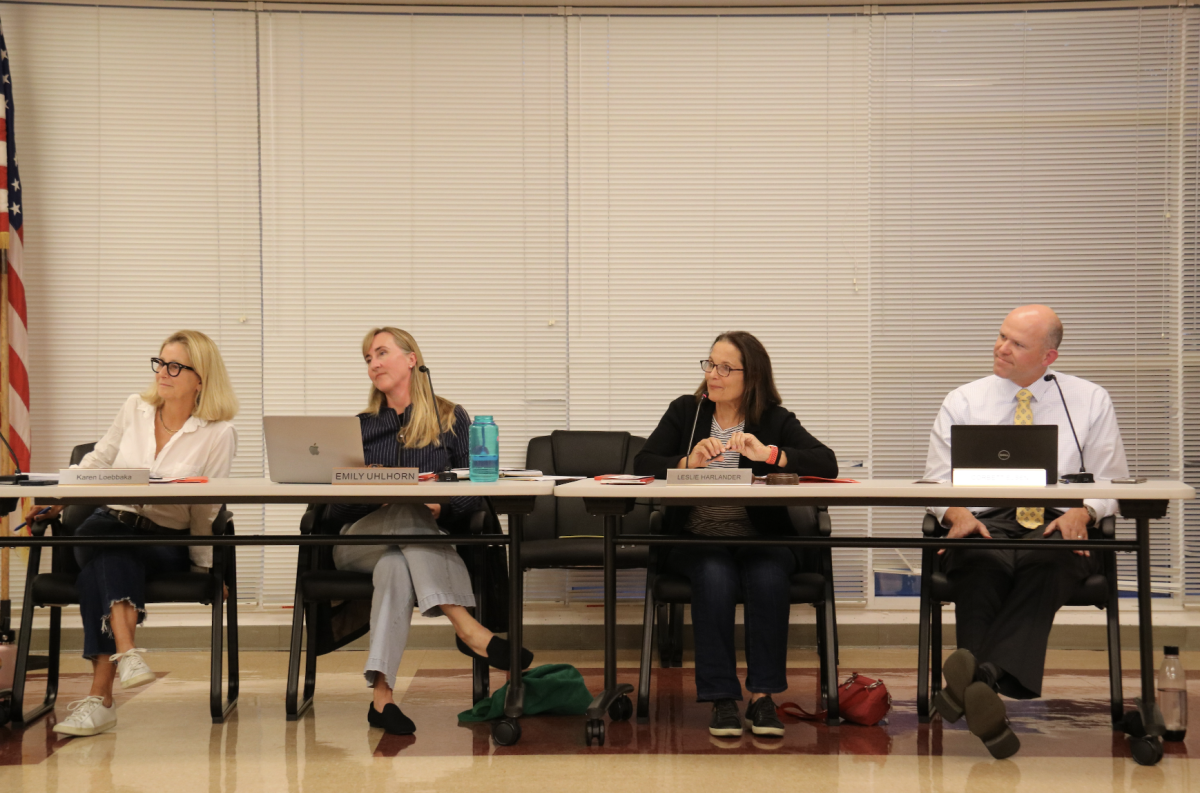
{"points": [[594, 729], [621, 709], [506, 732], [1146, 750]]}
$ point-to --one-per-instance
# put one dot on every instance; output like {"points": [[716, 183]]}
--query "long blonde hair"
{"points": [[423, 427], [216, 400]]}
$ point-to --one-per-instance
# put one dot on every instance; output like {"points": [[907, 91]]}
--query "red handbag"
{"points": [[861, 700]]}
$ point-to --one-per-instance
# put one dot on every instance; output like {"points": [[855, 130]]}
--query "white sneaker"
{"points": [[132, 670], [89, 717]]}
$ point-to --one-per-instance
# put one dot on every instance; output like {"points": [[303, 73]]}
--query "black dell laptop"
{"points": [[1005, 446]]}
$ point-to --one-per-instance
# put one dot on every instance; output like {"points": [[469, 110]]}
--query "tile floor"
{"points": [[165, 741]]}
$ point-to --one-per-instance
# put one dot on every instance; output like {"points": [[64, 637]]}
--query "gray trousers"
{"points": [[424, 576]]}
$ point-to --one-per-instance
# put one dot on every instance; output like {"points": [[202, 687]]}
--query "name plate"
{"points": [[104, 476], [715, 476], [1000, 477], [375, 476]]}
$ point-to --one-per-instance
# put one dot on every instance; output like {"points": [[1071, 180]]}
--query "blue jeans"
{"points": [[719, 573], [115, 575]]}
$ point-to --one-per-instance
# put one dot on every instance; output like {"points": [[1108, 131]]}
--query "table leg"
{"points": [[1151, 715], [614, 699], [514, 703]]}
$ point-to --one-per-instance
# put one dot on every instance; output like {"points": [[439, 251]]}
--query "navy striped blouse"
{"points": [[382, 447]]}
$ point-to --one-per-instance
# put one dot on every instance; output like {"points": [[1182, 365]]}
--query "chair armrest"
{"points": [[656, 519], [38, 527], [1106, 529], [931, 526], [824, 525], [477, 522], [308, 523]]}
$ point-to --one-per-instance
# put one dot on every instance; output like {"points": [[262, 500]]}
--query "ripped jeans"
{"points": [[112, 575]]}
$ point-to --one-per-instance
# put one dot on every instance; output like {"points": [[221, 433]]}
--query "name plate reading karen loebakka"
{"points": [[1000, 477], [104, 476], [375, 476], [716, 476]]}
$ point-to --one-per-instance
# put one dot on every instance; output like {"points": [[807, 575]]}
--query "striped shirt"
{"points": [[382, 447], [722, 521]]}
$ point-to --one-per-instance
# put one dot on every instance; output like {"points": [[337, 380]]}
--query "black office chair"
{"points": [[560, 533], [1099, 590], [812, 583], [56, 589], [319, 585]]}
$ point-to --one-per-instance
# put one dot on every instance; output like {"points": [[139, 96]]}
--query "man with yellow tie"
{"points": [[1005, 601]]}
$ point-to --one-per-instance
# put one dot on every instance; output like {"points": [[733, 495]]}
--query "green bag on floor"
{"points": [[557, 689]]}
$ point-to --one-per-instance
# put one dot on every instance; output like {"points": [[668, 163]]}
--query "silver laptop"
{"points": [[306, 449]]}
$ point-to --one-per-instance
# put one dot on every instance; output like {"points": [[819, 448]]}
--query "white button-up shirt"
{"points": [[199, 448], [993, 400]]}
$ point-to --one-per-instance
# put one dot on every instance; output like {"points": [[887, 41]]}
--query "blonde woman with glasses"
{"points": [[180, 426]]}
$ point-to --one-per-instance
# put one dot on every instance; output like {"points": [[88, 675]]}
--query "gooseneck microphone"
{"points": [[1083, 477], [18, 478], [687, 458], [442, 475]]}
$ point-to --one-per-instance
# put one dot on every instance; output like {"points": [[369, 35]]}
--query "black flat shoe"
{"points": [[392, 720], [497, 653]]}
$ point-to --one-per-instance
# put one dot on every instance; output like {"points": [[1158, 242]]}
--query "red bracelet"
{"points": [[773, 456]]}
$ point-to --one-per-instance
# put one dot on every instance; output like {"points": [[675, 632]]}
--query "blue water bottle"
{"points": [[485, 450]]}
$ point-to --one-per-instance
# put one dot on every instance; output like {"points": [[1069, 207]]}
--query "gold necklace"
{"points": [[164, 422]]}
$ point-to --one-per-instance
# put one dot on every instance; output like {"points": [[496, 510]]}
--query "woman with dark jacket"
{"points": [[735, 420]]}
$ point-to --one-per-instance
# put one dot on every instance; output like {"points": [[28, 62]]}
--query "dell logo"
{"points": [[314, 450], [1003, 454]]}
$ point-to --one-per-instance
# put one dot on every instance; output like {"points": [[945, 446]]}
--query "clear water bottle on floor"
{"points": [[484, 443], [1172, 694]]}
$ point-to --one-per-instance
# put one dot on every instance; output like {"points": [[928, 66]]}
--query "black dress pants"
{"points": [[1005, 600]]}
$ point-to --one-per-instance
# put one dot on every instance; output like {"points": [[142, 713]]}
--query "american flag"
{"points": [[12, 238]]}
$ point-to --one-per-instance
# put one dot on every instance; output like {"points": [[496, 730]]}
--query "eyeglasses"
{"points": [[722, 369], [173, 367]]}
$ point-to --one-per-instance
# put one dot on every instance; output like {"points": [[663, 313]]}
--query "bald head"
{"points": [[1027, 344], [1039, 319]]}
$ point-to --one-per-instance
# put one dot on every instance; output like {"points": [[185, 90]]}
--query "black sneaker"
{"points": [[763, 719], [726, 722]]}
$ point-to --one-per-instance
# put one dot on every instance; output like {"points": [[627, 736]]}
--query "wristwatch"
{"points": [[1091, 514]]}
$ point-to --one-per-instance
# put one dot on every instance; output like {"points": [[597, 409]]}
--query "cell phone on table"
{"points": [[1129, 480]]}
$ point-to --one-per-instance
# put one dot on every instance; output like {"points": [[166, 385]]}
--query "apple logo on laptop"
{"points": [[314, 450]]}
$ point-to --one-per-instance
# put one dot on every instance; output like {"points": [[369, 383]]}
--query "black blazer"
{"points": [[674, 438]]}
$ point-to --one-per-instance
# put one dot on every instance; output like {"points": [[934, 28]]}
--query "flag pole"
{"points": [[5, 463]]}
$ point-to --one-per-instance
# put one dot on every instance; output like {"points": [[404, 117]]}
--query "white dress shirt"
{"points": [[993, 400], [199, 448]]}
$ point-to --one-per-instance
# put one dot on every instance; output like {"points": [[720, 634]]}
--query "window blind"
{"points": [[1018, 158], [565, 210], [138, 144], [413, 175]]}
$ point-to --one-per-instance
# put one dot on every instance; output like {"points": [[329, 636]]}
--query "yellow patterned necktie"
{"points": [[1029, 517]]}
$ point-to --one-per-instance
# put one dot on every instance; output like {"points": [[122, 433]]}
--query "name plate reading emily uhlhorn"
{"points": [[1000, 477], [716, 476], [375, 476], [104, 476]]}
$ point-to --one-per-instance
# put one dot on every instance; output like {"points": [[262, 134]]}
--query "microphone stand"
{"points": [[1083, 477], [442, 475]]}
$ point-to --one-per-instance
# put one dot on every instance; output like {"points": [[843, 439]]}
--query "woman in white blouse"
{"points": [[179, 427]]}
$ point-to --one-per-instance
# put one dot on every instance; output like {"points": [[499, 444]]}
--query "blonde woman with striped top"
{"points": [[735, 419]]}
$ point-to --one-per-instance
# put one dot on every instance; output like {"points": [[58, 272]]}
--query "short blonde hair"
{"points": [[216, 400], [424, 428]]}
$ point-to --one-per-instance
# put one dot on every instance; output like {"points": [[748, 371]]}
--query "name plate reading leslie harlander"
{"points": [[375, 476], [104, 476], [716, 476]]}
